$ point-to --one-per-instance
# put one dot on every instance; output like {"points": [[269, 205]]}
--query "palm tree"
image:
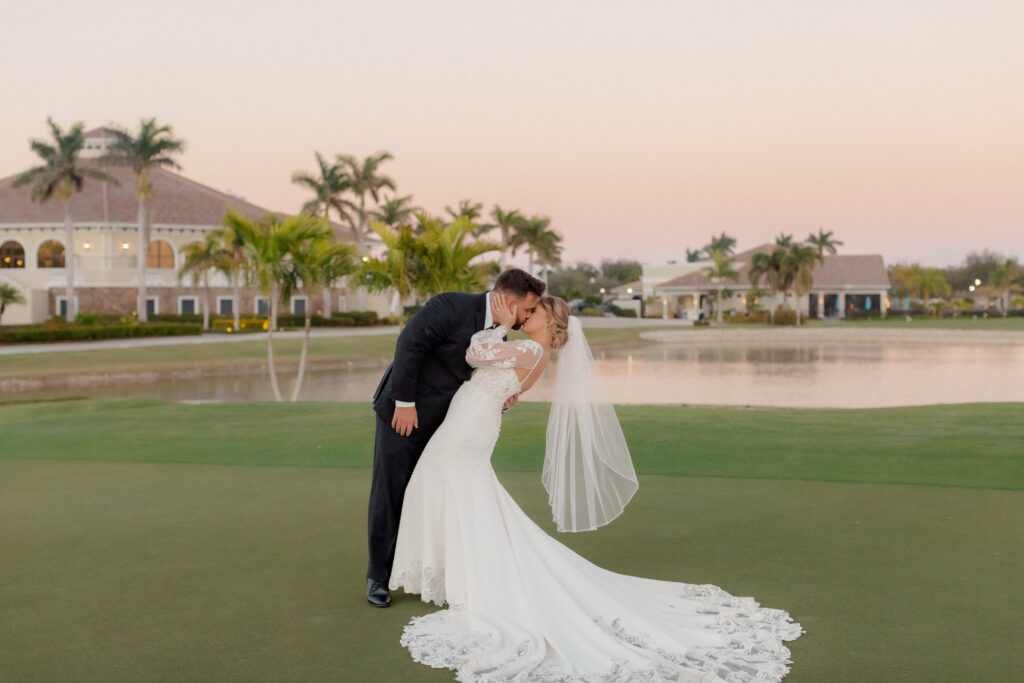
{"points": [[783, 240], [269, 249], [399, 268], [722, 243], [61, 174], [823, 241], [769, 266], [798, 263], [534, 235], [508, 222], [151, 148], [1001, 282], [364, 179], [317, 261], [327, 186], [927, 282], [232, 236], [693, 255], [446, 257], [200, 258], [9, 296], [718, 273], [394, 211]]}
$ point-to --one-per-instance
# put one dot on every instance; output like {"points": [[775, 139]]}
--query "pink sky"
{"points": [[639, 128]]}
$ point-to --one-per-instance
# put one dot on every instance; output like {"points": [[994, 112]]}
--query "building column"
{"points": [[883, 299], [842, 305]]}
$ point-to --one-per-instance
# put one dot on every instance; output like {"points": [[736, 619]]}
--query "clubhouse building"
{"points": [[844, 284], [106, 248]]}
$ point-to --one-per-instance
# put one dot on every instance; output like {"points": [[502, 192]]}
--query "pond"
{"points": [[798, 374]]}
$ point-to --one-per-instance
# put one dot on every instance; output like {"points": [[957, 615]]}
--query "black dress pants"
{"points": [[394, 459]]}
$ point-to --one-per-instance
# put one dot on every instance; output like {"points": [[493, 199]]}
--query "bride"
{"points": [[523, 607]]}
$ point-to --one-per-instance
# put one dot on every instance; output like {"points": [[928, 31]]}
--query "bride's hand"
{"points": [[504, 311]]}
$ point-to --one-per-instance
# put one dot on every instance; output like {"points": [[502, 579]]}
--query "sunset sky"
{"points": [[641, 128]]}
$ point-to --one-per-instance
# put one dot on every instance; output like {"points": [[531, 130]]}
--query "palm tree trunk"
{"points": [[237, 307], [718, 306], [302, 356], [504, 244], [140, 304], [327, 301], [797, 307], [530, 267], [69, 263], [270, 347], [272, 318], [206, 301]]}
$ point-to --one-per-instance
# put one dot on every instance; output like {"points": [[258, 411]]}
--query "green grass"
{"points": [[974, 445], [164, 542]]}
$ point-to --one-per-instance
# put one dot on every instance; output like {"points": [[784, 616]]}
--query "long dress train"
{"points": [[522, 606]]}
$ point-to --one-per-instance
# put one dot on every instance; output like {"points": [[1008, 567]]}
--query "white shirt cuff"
{"points": [[405, 404]]}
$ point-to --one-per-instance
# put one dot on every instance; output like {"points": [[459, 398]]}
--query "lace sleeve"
{"points": [[487, 349]]}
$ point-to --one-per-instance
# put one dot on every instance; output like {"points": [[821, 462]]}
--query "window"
{"points": [[188, 304], [261, 306], [152, 305], [299, 305], [225, 305], [50, 255], [12, 255], [159, 255]]}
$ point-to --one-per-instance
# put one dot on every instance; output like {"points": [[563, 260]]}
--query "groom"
{"points": [[412, 400]]}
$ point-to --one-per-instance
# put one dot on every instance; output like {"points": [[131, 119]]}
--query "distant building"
{"points": [[843, 284], [106, 247]]}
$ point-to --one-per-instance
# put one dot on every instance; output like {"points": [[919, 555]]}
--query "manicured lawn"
{"points": [[161, 542], [973, 445]]}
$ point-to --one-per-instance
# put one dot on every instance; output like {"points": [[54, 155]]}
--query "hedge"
{"points": [[34, 334]]}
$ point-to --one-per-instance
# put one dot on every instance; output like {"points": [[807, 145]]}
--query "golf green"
{"points": [[205, 567]]}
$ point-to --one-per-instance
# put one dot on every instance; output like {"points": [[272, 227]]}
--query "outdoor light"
{"points": [[977, 281], [124, 246], [629, 290], [602, 290], [7, 259], [366, 259], [971, 288], [87, 245]]}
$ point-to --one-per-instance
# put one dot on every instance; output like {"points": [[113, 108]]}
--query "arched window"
{"points": [[159, 255], [50, 255], [12, 255]]}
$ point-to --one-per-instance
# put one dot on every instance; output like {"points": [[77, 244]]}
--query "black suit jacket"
{"points": [[430, 358]]}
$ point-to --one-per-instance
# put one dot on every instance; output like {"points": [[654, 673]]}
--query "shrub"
{"points": [[244, 324], [74, 332], [176, 317], [623, 312], [590, 312]]}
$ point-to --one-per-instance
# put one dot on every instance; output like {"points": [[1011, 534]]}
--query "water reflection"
{"points": [[798, 375]]}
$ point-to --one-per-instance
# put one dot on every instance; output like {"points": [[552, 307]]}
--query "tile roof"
{"points": [[838, 270], [176, 200]]}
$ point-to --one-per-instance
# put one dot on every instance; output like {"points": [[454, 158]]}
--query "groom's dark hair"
{"points": [[519, 283]]}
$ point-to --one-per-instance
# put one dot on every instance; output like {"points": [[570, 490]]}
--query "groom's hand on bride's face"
{"points": [[405, 420]]}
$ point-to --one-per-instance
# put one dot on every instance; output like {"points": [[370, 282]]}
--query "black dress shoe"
{"points": [[377, 593]]}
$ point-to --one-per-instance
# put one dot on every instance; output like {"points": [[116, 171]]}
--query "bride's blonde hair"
{"points": [[558, 311]]}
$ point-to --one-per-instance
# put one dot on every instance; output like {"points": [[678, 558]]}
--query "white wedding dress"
{"points": [[522, 606]]}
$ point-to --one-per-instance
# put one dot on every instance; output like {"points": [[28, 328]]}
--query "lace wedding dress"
{"points": [[523, 607]]}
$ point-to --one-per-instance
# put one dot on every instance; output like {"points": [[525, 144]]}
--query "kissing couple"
{"points": [[520, 605]]}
